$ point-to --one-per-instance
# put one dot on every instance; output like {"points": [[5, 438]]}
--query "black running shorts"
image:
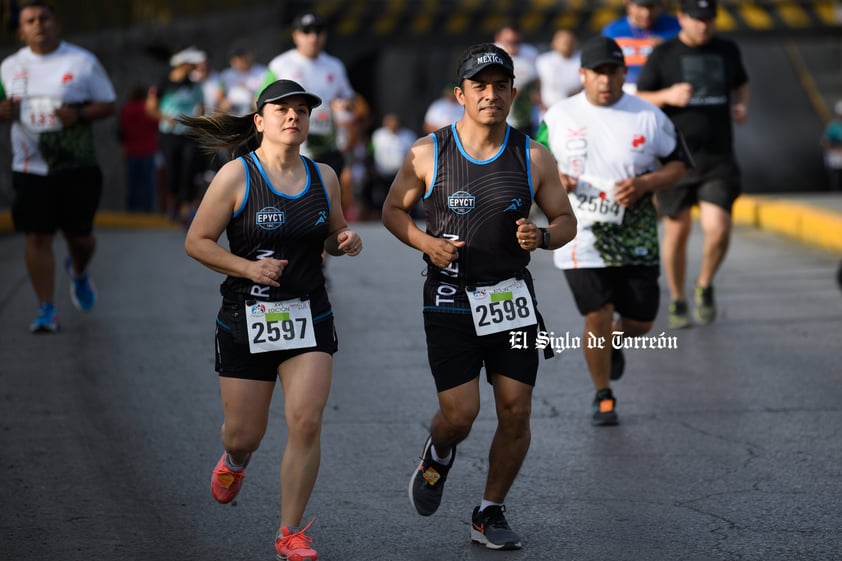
{"points": [[65, 201], [717, 183], [456, 353], [234, 360], [633, 290]]}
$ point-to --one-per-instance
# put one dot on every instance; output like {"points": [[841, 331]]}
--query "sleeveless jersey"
{"points": [[272, 224], [479, 203]]}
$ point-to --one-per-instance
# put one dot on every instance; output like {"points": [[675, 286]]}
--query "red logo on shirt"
{"points": [[638, 140], [67, 78]]}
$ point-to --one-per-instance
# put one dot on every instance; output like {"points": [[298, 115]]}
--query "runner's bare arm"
{"points": [[551, 196]]}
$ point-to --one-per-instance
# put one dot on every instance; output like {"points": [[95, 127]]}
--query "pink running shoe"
{"points": [[295, 546], [225, 483]]}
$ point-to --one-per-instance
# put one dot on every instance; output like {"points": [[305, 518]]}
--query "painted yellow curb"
{"points": [[108, 219], [806, 223]]}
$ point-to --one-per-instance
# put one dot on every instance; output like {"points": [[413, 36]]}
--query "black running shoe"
{"points": [[618, 363], [604, 408], [490, 528], [427, 482]]}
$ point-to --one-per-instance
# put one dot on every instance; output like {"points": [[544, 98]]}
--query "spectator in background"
{"points": [[139, 135], [528, 95], [209, 79], [831, 143], [240, 82], [644, 26], [322, 74], [353, 122], [177, 94], [558, 69], [443, 111], [204, 75], [389, 144]]}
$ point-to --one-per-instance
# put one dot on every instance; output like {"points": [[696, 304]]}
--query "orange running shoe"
{"points": [[225, 482], [295, 546]]}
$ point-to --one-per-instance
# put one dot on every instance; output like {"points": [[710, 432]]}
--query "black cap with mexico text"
{"points": [[492, 56], [601, 50], [281, 89]]}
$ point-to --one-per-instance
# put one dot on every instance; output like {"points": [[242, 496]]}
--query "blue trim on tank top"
{"points": [[528, 168], [322, 316], [321, 180], [222, 325], [481, 162], [435, 166], [272, 188], [242, 206], [447, 309]]}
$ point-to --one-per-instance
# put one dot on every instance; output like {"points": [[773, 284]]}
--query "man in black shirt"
{"points": [[699, 81]]}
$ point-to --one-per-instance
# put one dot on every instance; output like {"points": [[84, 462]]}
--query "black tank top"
{"points": [[272, 224], [478, 202]]}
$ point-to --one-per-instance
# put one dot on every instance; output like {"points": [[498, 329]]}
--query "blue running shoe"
{"points": [[82, 290], [47, 320]]}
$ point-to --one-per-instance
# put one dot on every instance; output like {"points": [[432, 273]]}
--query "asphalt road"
{"points": [[728, 447]]}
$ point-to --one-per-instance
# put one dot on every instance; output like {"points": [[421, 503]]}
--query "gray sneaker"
{"points": [[490, 528], [678, 315], [705, 311], [427, 482]]}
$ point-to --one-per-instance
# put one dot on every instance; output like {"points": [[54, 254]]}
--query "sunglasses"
{"points": [[307, 29]]}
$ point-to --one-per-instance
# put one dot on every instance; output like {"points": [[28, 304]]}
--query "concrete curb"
{"points": [[804, 222]]}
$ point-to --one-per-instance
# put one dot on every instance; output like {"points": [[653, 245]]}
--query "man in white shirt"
{"points": [[509, 38], [52, 91], [613, 150], [241, 82], [443, 111], [558, 69], [323, 75], [389, 143]]}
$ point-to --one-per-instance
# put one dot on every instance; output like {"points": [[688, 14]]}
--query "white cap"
{"points": [[190, 55]]}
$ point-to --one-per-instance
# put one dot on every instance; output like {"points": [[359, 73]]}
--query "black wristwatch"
{"points": [[545, 239]]}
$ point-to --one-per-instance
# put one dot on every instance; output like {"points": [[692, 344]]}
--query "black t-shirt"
{"points": [[715, 70]]}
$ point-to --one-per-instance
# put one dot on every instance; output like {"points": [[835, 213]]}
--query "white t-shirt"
{"points": [[442, 112], [559, 76], [390, 148], [42, 83], [324, 76], [241, 88], [609, 144], [526, 73]]}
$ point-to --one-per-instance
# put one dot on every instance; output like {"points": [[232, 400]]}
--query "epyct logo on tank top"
{"points": [[461, 202], [269, 218]]}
